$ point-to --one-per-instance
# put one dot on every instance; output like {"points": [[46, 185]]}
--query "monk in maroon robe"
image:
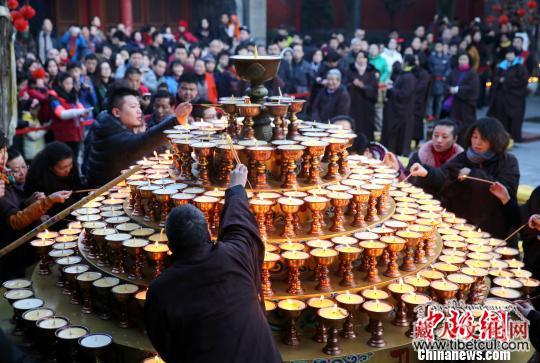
{"points": [[208, 306]]}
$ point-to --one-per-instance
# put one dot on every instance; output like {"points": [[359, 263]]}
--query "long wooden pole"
{"points": [[55, 219]]}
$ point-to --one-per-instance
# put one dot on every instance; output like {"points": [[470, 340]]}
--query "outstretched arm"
{"points": [[238, 224]]}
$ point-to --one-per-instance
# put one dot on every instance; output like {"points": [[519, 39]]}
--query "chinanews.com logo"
{"points": [[459, 331]]}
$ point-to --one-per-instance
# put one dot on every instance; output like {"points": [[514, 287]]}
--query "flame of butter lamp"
{"points": [[294, 260], [394, 245], [316, 205], [163, 197], [203, 151], [290, 206], [347, 255], [123, 293], [291, 309], [412, 300], [315, 150], [335, 146], [339, 201], [227, 161], [372, 249], [183, 148], [134, 248], [289, 155], [360, 200], [444, 290], [261, 207], [351, 303], [375, 191], [85, 281], [278, 111], [43, 246], [157, 252], [398, 290], [316, 303], [324, 257], [412, 238], [333, 317], [377, 310], [270, 260], [294, 107]]}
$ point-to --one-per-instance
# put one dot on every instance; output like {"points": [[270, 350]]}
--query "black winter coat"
{"points": [[112, 147], [331, 104], [464, 104], [471, 199], [206, 307], [398, 114], [363, 100], [507, 102]]}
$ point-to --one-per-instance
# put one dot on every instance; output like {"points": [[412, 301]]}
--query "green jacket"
{"points": [[380, 65]]}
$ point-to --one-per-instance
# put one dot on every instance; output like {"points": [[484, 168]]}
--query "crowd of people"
{"points": [[93, 101]]}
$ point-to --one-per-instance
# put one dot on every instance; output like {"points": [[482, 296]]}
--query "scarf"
{"points": [[504, 65], [440, 158], [478, 158], [70, 97], [464, 68]]}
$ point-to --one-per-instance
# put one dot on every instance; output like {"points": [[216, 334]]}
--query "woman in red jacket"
{"points": [[67, 112]]}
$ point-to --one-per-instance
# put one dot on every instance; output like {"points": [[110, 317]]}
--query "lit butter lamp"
{"points": [[397, 290], [157, 252], [43, 246], [294, 260], [412, 300], [347, 255], [412, 238], [351, 303], [324, 257], [333, 317], [476, 293], [419, 283], [291, 309], [463, 281], [372, 249], [444, 290], [505, 293], [316, 303], [377, 310], [67, 341], [270, 260], [529, 285]]}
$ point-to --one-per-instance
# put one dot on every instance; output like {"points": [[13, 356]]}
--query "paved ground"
{"points": [[528, 153]]}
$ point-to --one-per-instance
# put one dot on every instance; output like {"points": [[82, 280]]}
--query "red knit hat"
{"points": [[183, 23], [39, 73]]}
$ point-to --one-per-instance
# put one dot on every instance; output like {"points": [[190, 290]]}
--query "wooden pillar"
{"points": [[8, 94], [126, 14]]}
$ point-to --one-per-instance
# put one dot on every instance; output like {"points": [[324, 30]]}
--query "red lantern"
{"points": [[520, 12], [490, 19], [503, 19], [12, 4], [15, 15], [496, 8], [532, 4], [27, 11], [21, 25]]}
